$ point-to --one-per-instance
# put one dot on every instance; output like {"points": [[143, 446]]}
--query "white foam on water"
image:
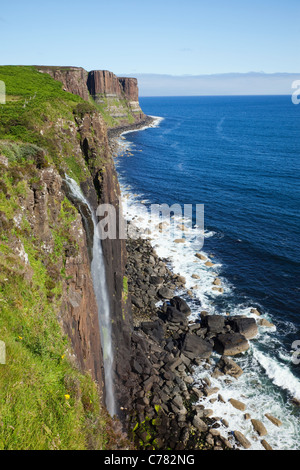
{"points": [[279, 374], [155, 123], [259, 399], [264, 378]]}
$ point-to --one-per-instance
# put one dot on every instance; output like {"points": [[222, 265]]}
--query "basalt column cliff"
{"points": [[117, 98]]}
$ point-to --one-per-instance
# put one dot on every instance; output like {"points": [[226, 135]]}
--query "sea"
{"points": [[236, 157]]}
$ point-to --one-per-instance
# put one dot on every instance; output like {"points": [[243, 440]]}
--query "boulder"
{"points": [[242, 439], [231, 344], [245, 326], [227, 366], [273, 420], [165, 293], [266, 445], [180, 305], [214, 323], [154, 330], [137, 302], [175, 316], [255, 311], [200, 256], [181, 279], [208, 391], [259, 427], [219, 289], [237, 404], [295, 401], [209, 264], [137, 368], [156, 280], [195, 347], [3, 161], [265, 323], [199, 424]]}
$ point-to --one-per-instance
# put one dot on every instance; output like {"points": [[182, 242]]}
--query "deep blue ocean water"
{"points": [[239, 156]]}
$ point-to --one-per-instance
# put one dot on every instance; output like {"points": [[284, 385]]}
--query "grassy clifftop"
{"points": [[46, 401]]}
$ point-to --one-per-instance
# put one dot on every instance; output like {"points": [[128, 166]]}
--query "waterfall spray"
{"points": [[102, 297]]}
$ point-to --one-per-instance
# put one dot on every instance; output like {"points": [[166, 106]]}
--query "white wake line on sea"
{"points": [[156, 122], [280, 375]]}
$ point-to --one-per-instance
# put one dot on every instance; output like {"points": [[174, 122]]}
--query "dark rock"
{"points": [[214, 323], [137, 302], [181, 305], [165, 293], [245, 326], [230, 344], [175, 316], [156, 280], [193, 346], [137, 367], [199, 424], [227, 366], [154, 330]]}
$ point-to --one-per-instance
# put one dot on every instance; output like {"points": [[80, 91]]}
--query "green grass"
{"points": [[40, 99], [36, 127]]}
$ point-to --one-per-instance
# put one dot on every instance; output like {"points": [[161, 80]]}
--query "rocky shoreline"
{"points": [[167, 348], [115, 132], [166, 404]]}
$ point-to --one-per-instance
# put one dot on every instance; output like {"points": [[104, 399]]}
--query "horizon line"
{"points": [[188, 75], [195, 96]]}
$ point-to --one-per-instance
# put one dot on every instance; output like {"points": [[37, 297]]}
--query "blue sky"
{"points": [[163, 37]]}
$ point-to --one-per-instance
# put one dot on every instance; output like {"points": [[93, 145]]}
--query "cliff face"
{"points": [[105, 190], [78, 312], [73, 79], [118, 97], [88, 141], [130, 88], [103, 82]]}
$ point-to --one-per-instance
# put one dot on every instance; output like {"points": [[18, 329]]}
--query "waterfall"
{"points": [[102, 297]]}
